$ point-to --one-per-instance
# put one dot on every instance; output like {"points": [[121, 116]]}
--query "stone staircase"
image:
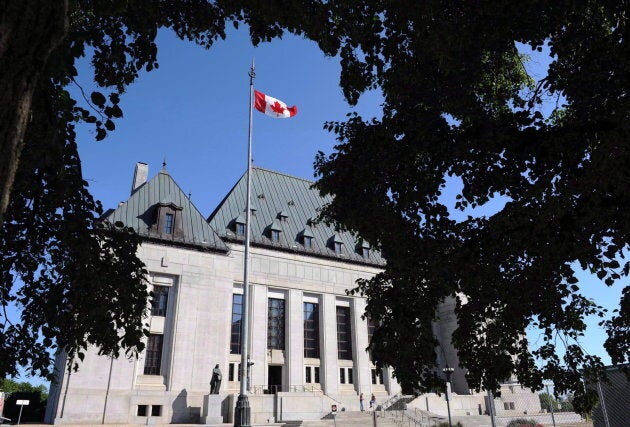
{"points": [[350, 419]]}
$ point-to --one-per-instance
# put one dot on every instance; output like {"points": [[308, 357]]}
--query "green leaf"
{"points": [[98, 99]]}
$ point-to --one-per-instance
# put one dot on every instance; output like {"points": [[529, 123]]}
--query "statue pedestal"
{"points": [[212, 404]]}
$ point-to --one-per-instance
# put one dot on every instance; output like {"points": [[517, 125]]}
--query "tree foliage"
{"points": [[548, 402], [9, 386], [76, 281], [459, 102]]}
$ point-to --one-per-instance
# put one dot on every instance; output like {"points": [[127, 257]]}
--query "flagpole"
{"points": [[242, 411]]}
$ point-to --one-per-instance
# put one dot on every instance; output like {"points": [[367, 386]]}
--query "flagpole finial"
{"points": [[252, 73]]}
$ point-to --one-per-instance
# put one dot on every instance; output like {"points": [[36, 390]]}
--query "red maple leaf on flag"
{"points": [[277, 108]]}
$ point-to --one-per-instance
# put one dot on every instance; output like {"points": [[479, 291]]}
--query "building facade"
{"points": [[307, 337]]}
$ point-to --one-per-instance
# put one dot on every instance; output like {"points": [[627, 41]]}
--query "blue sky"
{"points": [[193, 113]]}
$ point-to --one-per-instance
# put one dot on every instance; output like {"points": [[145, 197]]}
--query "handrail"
{"points": [[406, 419], [389, 402], [274, 389]]}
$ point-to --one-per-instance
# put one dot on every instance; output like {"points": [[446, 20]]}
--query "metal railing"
{"points": [[403, 419], [389, 402], [274, 389]]}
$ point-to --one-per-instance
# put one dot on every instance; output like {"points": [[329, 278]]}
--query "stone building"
{"points": [[307, 337]]}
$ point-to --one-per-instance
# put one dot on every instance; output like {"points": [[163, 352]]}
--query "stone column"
{"points": [[363, 380], [294, 346], [258, 334], [391, 384], [329, 372]]}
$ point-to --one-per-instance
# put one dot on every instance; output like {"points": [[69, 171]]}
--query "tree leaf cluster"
{"points": [[74, 280], [459, 102]]}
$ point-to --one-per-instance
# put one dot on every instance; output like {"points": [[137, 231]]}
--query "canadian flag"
{"points": [[272, 106]]}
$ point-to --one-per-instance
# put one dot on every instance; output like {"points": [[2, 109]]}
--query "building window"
{"points": [[169, 222], [338, 247], [275, 324], [142, 410], [346, 376], [508, 406], [153, 359], [311, 374], [377, 376], [371, 326], [240, 229], [159, 301], [308, 242], [365, 252], [237, 324], [311, 330], [275, 236], [234, 371], [156, 410], [344, 333]]}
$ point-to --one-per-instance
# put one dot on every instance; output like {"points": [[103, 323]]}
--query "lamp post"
{"points": [[448, 371]]}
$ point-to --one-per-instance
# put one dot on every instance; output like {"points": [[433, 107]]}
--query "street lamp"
{"points": [[448, 371]]}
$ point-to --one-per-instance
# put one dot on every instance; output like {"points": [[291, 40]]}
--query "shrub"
{"points": [[522, 422]]}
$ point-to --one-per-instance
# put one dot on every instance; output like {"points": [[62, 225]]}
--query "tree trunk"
{"points": [[29, 31]]}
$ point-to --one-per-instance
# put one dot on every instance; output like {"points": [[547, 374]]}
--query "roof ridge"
{"points": [[283, 174]]}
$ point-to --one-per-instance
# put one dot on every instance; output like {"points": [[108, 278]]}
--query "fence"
{"points": [[519, 407], [613, 407]]}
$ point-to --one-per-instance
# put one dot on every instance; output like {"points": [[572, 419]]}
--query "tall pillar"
{"points": [[294, 346], [258, 334], [391, 384], [330, 367], [363, 381]]}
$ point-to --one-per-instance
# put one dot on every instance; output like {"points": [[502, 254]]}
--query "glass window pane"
{"points": [[344, 334], [311, 330], [237, 310], [159, 301], [153, 358], [168, 223], [275, 324]]}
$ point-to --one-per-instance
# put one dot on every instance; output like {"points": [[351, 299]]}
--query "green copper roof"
{"points": [[274, 193], [140, 212]]}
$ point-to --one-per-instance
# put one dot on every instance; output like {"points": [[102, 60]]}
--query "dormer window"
{"points": [[283, 216], [335, 243], [274, 232], [364, 249], [168, 218], [169, 223], [239, 226], [307, 238]]}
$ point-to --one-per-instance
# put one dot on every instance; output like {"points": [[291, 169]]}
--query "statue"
{"points": [[215, 382]]}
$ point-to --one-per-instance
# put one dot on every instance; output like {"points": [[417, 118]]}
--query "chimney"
{"points": [[140, 174]]}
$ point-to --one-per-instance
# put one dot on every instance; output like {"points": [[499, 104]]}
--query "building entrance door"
{"points": [[274, 379]]}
